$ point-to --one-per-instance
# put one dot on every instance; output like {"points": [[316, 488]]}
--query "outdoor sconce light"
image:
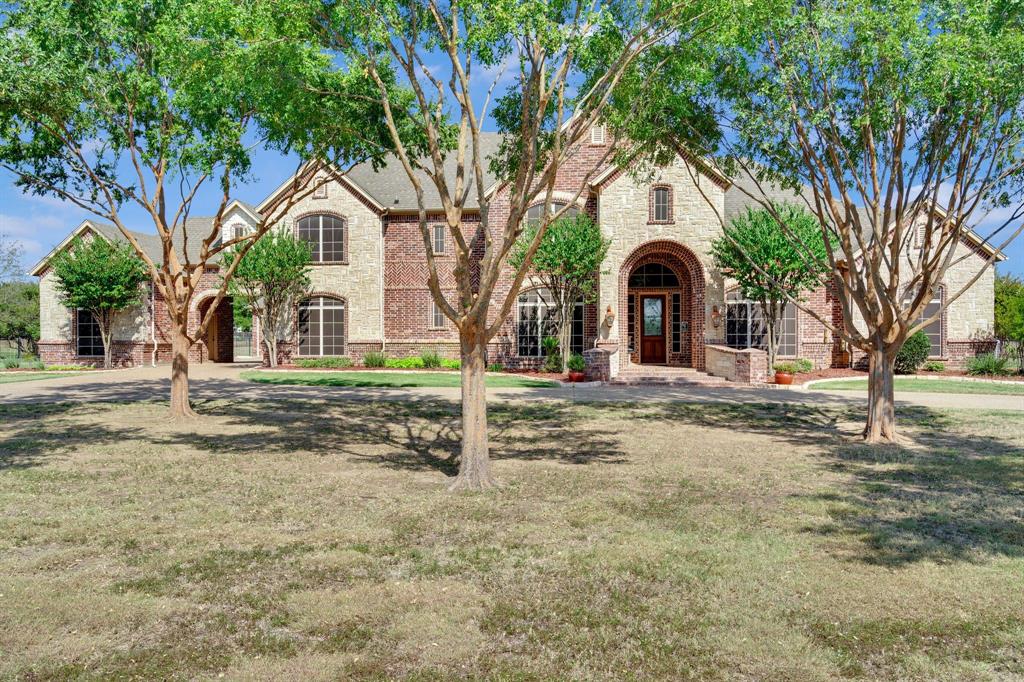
{"points": [[609, 317], [716, 317]]}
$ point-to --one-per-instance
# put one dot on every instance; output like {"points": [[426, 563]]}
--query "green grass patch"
{"points": [[914, 385], [389, 379], [315, 538]]}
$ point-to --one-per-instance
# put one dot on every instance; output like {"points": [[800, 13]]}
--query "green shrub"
{"points": [[451, 364], [988, 364], [430, 358], [61, 368], [913, 353], [803, 365], [375, 359], [934, 366], [553, 363], [576, 362], [550, 345], [787, 367], [495, 367], [11, 363], [340, 361], [403, 363]]}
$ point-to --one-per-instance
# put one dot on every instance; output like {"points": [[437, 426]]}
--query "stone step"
{"points": [[662, 376]]}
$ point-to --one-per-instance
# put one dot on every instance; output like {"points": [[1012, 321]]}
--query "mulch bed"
{"points": [[844, 373]]}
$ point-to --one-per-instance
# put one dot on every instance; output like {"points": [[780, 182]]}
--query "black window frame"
{"points": [[93, 340]]}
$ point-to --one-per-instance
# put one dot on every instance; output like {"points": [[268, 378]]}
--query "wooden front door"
{"points": [[652, 329]]}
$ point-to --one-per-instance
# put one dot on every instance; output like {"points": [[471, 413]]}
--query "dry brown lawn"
{"points": [[315, 540]]}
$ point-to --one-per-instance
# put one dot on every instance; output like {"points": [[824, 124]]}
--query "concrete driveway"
{"points": [[211, 381]]}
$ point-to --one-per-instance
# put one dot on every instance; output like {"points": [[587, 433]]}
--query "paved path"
{"points": [[214, 381]]}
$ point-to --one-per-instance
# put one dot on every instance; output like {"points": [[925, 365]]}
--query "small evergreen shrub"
{"points": [[403, 363], [451, 364], [576, 362], [59, 368], [11, 363], [431, 360], [375, 359], [495, 367], [913, 354], [934, 366], [335, 362], [988, 364], [550, 345]]}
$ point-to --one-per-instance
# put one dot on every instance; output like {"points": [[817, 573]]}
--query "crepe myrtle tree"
{"points": [[773, 266], [269, 280], [121, 105], [101, 278], [556, 64], [566, 262], [899, 125]]}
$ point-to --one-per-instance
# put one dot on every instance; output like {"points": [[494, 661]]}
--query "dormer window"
{"points": [[597, 134]]}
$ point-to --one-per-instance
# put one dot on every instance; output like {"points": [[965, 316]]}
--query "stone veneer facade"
{"points": [[382, 280]]}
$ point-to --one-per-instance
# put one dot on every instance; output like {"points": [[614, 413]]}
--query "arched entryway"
{"points": [[661, 296], [219, 341]]}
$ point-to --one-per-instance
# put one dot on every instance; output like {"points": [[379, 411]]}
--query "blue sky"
{"points": [[40, 223]]}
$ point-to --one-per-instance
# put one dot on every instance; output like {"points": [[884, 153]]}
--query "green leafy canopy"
{"points": [[769, 262], [98, 275]]}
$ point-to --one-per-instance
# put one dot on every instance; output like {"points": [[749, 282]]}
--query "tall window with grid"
{"points": [[326, 236]]}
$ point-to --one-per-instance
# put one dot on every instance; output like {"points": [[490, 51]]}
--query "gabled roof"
{"points": [[197, 229]]}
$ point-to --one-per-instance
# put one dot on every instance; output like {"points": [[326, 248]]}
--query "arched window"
{"points": [[653, 275], [537, 317], [661, 204], [322, 326], [326, 235], [536, 212]]}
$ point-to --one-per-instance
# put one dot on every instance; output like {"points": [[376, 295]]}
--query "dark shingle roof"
{"points": [[389, 186]]}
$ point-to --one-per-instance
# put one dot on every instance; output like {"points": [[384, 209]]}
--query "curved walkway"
{"points": [[213, 381]]}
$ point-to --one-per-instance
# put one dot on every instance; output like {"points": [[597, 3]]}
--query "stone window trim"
{"points": [[333, 214], [651, 220], [295, 320]]}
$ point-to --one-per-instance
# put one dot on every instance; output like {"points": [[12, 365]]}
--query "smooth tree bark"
{"points": [[533, 51], [900, 127], [112, 104]]}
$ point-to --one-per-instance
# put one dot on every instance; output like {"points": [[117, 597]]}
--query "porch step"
{"points": [[665, 376]]}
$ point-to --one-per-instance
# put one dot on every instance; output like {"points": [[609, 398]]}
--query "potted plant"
{"points": [[784, 372], [577, 365]]}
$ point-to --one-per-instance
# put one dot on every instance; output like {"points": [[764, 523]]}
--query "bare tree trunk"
{"points": [[270, 341], [881, 424], [474, 461], [181, 409], [105, 336]]}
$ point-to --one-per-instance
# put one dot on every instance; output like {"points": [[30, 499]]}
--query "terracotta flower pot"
{"points": [[783, 378], [576, 377]]}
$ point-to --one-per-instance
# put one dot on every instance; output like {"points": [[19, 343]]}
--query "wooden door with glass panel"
{"points": [[652, 329]]}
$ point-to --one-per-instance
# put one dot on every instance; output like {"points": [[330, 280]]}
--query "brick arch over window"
{"points": [[346, 227], [690, 272], [344, 320]]}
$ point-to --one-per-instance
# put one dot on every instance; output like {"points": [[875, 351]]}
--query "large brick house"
{"points": [[661, 300]]}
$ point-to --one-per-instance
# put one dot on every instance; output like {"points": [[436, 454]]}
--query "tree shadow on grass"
{"points": [[33, 435], [952, 491], [413, 436]]}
